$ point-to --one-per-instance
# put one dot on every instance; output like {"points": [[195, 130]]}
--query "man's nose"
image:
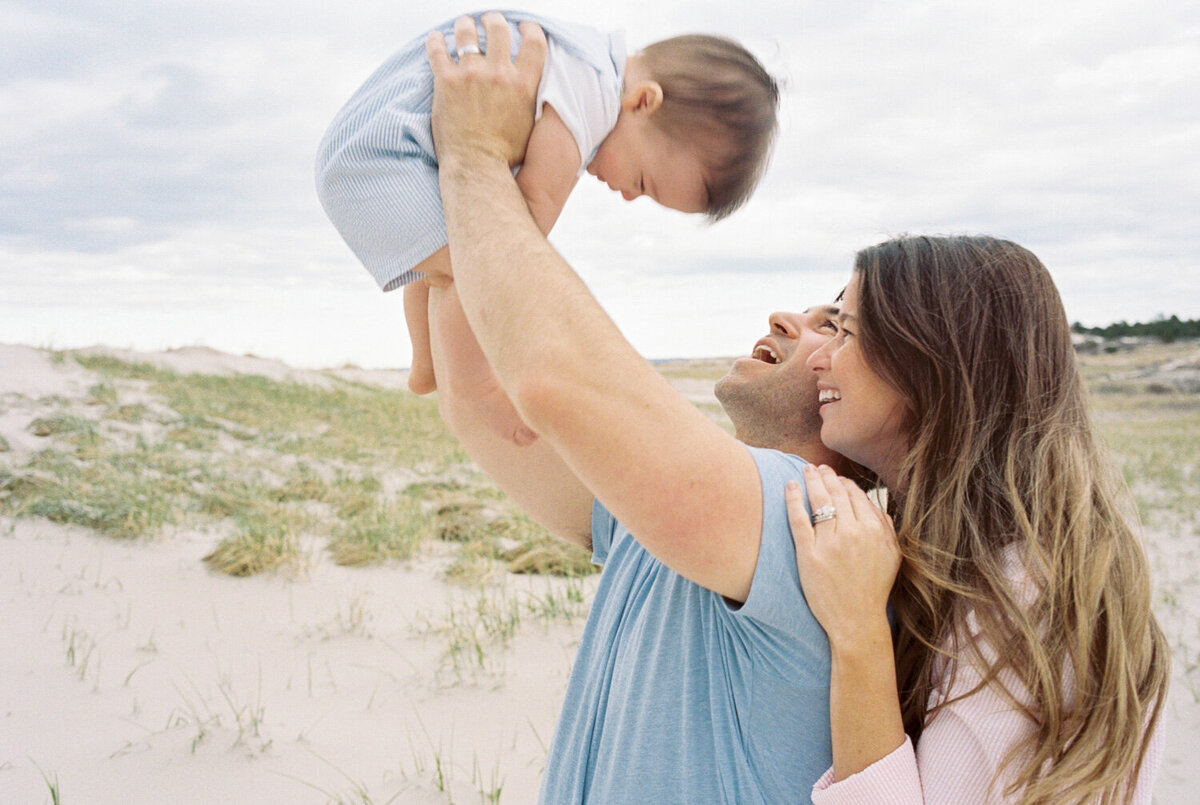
{"points": [[784, 324]]}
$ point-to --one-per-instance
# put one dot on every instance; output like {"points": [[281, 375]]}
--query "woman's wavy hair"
{"points": [[1003, 452]]}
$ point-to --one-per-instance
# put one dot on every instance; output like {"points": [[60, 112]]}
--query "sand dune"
{"points": [[134, 673]]}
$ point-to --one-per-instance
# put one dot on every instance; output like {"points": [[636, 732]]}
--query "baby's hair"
{"points": [[718, 97]]}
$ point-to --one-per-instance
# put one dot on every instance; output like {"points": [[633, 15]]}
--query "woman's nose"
{"points": [[818, 361]]}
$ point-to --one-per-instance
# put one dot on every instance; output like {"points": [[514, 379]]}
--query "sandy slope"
{"points": [[131, 673], [136, 675]]}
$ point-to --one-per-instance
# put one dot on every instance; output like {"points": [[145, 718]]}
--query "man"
{"points": [[701, 675]]}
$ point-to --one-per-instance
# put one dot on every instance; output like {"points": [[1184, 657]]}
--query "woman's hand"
{"points": [[848, 562]]}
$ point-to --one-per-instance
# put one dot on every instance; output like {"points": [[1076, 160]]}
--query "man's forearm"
{"points": [[506, 271]]}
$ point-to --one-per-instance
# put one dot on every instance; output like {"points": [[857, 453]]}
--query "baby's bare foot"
{"points": [[421, 379]]}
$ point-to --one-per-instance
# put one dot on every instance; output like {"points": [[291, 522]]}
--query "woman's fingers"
{"points": [[864, 510], [798, 517], [820, 500], [855, 518], [842, 508], [875, 526]]}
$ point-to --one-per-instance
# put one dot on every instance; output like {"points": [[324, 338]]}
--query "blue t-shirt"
{"points": [[679, 696]]}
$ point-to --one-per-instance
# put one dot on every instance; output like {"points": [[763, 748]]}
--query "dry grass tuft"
{"points": [[388, 531], [259, 548], [59, 423], [550, 556]]}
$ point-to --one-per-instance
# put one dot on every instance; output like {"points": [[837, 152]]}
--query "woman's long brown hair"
{"points": [[1003, 452]]}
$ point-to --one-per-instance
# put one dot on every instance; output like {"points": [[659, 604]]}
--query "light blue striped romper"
{"points": [[376, 168]]}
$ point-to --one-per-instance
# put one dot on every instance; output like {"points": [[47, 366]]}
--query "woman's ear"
{"points": [[644, 96]]}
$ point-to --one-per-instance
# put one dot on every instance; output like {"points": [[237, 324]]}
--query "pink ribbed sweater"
{"points": [[954, 764], [965, 743]]}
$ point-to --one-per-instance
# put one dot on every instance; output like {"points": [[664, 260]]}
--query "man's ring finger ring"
{"points": [[824, 513], [468, 50]]}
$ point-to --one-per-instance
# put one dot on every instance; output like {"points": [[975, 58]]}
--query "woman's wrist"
{"points": [[861, 641]]}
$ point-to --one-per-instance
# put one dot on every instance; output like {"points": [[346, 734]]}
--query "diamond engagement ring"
{"points": [[468, 50], [824, 513]]}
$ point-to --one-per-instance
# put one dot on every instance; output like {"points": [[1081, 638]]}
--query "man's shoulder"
{"points": [[776, 463]]}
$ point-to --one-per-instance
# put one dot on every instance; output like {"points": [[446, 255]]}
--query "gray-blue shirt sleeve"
{"points": [[603, 527], [776, 607]]}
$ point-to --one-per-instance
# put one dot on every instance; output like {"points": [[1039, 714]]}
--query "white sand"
{"points": [[133, 674], [186, 686]]}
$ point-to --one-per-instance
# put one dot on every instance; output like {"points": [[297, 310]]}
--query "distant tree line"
{"points": [[1164, 329]]}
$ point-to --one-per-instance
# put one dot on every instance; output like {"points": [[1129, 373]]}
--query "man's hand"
{"points": [[483, 104]]}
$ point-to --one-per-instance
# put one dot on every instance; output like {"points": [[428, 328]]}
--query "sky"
{"points": [[156, 174]]}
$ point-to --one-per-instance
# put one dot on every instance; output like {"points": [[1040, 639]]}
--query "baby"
{"points": [[687, 121]]}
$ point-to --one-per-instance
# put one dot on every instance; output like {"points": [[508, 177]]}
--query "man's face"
{"points": [[771, 396]]}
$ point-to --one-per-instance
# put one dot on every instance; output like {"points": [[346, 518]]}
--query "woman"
{"points": [[1027, 665]]}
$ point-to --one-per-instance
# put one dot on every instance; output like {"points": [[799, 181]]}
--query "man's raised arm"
{"points": [[534, 476], [686, 489]]}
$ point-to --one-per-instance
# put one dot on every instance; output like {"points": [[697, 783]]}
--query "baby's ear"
{"points": [[644, 96]]}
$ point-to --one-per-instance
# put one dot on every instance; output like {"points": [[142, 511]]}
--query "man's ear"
{"points": [[644, 96]]}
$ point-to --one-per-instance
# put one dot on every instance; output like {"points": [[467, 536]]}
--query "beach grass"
{"points": [[389, 530], [265, 538], [479, 626], [273, 466], [373, 476], [120, 495], [349, 421]]}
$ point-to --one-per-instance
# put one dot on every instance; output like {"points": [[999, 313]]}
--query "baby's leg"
{"points": [[463, 369], [421, 378], [416, 314]]}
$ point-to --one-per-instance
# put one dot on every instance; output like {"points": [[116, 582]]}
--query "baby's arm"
{"points": [[550, 169]]}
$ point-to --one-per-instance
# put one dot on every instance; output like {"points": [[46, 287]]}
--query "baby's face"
{"points": [[638, 159]]}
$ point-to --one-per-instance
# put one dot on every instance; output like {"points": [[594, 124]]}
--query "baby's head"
{"points": [[696, 126]]}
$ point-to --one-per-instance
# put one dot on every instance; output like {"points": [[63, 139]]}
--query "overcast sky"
{"points": [[156, 172]]}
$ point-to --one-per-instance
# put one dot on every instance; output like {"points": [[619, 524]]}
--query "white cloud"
{"points": [[158, 161]]}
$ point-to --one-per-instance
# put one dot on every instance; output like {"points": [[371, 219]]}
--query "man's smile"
{"points": [[765, 352]]}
